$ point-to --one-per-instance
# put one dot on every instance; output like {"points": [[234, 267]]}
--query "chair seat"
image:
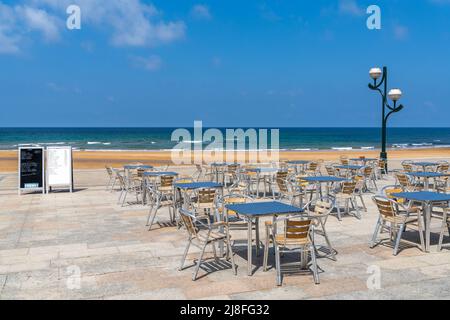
{"points": [[400, 219], [344, 195], [213, 236], [282, 240]]}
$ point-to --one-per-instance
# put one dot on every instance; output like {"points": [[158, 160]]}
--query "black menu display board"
{"points": [[31, 169]]}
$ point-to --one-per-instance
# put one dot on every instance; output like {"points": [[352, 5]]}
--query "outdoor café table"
{"points": [[255, 210], [427, 199], [425, 164], [319, 180], [426, 176], [297, 163]]}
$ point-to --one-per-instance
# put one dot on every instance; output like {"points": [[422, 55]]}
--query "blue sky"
{"points": [[225, 62]]}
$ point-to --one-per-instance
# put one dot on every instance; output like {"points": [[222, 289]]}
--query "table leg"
{"points": [[249, 247], [427, 221]]}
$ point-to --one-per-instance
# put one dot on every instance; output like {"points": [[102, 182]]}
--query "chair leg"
{"points": [[183, 259], [444, 227], [197, 267], [421, 231], [327, 240], [375, 233], [124, 197], [397, 241], [338, 210], [214, 250], [266, 251], [362, 201], [314, 265], [277, 264], [233, 265]]}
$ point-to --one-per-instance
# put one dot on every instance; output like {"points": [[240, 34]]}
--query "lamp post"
{"points": [[393, 94]]}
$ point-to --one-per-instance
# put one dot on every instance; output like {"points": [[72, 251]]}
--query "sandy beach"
{"points": [[98, 159]]}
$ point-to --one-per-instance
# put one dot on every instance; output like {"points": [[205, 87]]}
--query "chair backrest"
{"points": [[387, 192], [140, 172], [382, 164], [385, 206], [323, 207], [232, 168], [301, 182], [282, 182], [443, 167], [167, 181], [206, 196], [312, 166], [407, 166], [297, 228], [359, 182], [188, 221], [109, 170], [330, 170], [344, 160], [348, 187], [403, 180], [368, 171]]}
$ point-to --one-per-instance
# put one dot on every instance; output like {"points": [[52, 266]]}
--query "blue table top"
{"points": [[263, 208], [198, 185], [160, 173], [137, 166], [425, 164], [218, 164], [425, 174], [323, 179], [298, 162], [351, 167], [425, 196]]}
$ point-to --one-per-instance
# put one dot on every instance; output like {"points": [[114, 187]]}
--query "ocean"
{"points": [[160, 138]]}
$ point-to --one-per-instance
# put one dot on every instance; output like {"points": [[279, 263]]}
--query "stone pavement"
{"points": [[85, 246]]}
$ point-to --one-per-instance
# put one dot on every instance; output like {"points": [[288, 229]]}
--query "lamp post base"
{"points": [[383, 156]]}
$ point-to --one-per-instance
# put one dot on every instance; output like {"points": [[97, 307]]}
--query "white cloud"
{"points": [[200, 11], [40, 20], [129, 23], [9, 40], [151, 63], [401, 32], [350, 7]]}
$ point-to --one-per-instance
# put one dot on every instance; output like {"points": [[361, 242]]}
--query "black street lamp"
{"points": [[393, 94]]}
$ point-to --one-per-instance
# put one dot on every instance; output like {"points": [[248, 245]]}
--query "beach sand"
{"points": [[98, 159]]}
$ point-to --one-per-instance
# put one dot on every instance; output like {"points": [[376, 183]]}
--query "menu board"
{"points": [[31, 168], [59, 167]]}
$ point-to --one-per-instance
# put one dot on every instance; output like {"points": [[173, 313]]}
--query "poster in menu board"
{"points": [[59, 168], [31, 169]]}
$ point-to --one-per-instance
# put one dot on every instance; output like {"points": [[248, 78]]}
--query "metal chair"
{"points": [[348, 195], [394, 218], [320, 213], [201, 235], [296, 237], [445, 226], [161, 195]]}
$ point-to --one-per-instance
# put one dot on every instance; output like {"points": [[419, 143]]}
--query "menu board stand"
{"points": [[59, 173], [31, 169]]}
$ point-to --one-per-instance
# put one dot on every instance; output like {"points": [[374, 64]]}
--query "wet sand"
{"points": [[98, 159]]}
